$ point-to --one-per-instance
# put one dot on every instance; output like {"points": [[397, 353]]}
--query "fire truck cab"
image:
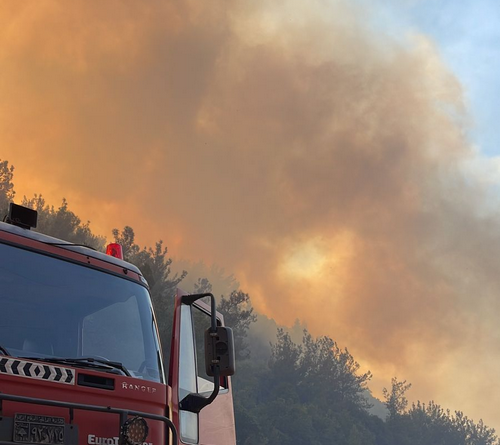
{"points": [[80, 355]]}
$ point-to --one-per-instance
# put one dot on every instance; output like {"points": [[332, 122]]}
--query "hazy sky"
{"points": [[467, 34], [331, 154]]}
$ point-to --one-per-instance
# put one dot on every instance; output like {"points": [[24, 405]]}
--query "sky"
{"points": [[339, 158], [466, 33]]}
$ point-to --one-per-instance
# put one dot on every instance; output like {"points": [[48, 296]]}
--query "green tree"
{"points": [[285, 358], [360, 436], [395, 399], [331, 373], [153, 262], [202, 286], [323, 373], [238, 314], [7, 192], [480, 434], [62, 223]]}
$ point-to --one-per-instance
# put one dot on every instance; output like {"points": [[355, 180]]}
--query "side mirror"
{"points": [[219, 356], [219, 351]]}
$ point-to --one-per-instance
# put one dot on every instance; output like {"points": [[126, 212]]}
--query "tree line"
{"points": [[308, 392]]}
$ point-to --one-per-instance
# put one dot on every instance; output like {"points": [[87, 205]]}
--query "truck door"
{"points": [[214, 424]]}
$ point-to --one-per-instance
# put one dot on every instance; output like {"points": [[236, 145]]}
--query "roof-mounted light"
{"points": [[22, 216], [115, 250]]}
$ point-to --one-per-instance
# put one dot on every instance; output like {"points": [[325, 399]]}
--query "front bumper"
{"points": [[71, 430]]}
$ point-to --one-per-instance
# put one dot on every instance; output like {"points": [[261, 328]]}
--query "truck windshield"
{"points": [[51, 308]]}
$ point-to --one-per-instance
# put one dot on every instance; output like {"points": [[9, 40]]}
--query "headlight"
{"points": [[135, 431]]}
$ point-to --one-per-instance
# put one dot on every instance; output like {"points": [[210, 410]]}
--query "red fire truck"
{"points": [[80, 356]]}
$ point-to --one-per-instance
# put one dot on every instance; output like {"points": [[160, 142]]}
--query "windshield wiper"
{"points": [[4, 351], [111, 364], [86, 362]]}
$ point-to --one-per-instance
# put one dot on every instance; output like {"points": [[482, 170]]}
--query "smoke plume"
{"points": [[298, 147]]}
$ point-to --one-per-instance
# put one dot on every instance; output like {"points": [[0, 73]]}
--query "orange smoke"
{"points": [[316, 158]]}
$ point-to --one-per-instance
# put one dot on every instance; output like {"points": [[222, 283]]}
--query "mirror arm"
{"points": [[195, 402], [191, 298]]}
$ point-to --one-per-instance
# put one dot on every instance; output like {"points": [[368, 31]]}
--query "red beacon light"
{"points": [[115, 249]]}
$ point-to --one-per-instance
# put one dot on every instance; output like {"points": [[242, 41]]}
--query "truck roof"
{"points": [[37, 236]]}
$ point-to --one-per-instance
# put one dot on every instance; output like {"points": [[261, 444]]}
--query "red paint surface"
{"points": [[129, 393], [216, 420]]}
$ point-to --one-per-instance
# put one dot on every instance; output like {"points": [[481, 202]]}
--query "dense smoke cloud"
{"points": [[317, 159]]}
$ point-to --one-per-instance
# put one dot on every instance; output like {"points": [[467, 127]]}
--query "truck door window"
{"points": [[192, 372], [188, 421]]}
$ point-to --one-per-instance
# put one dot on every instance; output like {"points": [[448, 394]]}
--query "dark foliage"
{"points": [[238, 314], [7, 192], [309, 393], [395, 399], [62, 223]]}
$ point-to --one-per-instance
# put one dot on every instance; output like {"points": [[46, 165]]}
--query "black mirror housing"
{"points": [[219, 351]]}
